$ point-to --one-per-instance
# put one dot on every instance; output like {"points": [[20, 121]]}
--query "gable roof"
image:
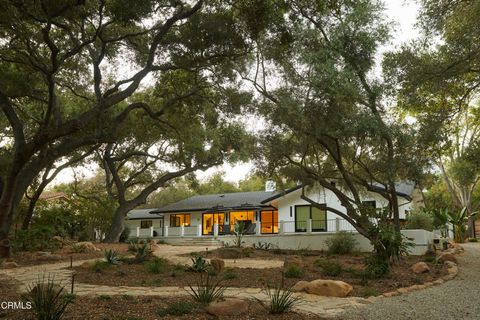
{"points": [[143, 214], [235, 200]]}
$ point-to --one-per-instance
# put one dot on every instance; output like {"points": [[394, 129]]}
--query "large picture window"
{"points": [[178, 220], [269, 221], [304, 213]]}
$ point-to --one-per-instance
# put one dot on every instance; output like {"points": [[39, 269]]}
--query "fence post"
{"points": [[151, 232], [182, 230], [309, 226], [259, 228], [199, 230], [166, 231], [337, 224], [138, 232], [215, 230], [281, 229]]}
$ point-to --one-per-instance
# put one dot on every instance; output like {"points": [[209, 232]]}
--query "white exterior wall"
{"points": [[287, 203]]}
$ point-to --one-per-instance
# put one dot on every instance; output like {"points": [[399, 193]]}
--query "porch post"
{"points": [[309, 226], [166, 231], [182, 230], [337, 224], [281, 227], [215, 230], [138, 232], [199, 230], [259, 228], [151, 232]]}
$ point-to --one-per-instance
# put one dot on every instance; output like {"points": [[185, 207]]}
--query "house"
{"points": [[264, 213]]}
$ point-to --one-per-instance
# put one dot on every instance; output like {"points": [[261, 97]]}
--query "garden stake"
{"points": [[71, 262], [73, 282]]}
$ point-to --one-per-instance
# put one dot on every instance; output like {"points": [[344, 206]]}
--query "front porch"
{"points": [[256, 229]]}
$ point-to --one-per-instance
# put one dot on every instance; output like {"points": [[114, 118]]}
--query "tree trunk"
{"points": [[29, 214], [117, 226]]}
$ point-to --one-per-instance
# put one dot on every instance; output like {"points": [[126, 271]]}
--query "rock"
{"points": [[153, 245], [230, 253], [299, 286], [438, 281], [446, 256], [450, 264], [10, 264], [87, 264], [390, 294], [452, 270], [217, 264], [420, 267], [329, 288], [228, 308], [84, 247], [295, 261]]}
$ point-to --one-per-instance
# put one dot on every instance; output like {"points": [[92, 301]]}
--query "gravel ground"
{"points": [[456, 299]]}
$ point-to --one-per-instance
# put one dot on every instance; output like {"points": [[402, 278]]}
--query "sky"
{"points": [[403, 15]]}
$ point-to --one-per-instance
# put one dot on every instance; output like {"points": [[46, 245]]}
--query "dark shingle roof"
{"points": [[227, 200]]}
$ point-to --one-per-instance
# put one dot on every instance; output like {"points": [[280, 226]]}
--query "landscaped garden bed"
{"points": [[315, 265]]}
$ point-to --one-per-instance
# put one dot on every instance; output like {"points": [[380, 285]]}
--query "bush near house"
{"points": [[341, 243], [420, 219]]}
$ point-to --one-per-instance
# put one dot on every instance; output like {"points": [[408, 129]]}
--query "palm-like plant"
{"points": [[441, 219], [239, 231], [459, 221]]}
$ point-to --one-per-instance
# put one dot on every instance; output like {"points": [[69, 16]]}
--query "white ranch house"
{"points": [[278, 217]]}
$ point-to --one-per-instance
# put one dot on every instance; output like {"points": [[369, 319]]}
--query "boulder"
{"points": [[230, 253], [227, 308], [420, 267], [295, 261], [300, 286], [329, 288], [153, 245], [447, 256], [87, 265], [450, 264], [86, 246], [217, 264]]}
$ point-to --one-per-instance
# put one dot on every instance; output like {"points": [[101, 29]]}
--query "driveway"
{"points": [[456, 299]]}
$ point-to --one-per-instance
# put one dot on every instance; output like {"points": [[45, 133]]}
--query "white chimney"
{"points": [[270, 186]]}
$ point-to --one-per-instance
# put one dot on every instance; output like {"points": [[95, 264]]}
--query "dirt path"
{"points": [[456, 299]]}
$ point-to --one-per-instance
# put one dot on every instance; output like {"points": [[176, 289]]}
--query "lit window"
{"points": [[178, 220]]}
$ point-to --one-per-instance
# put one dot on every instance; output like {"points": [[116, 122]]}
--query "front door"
{"points": [[209, 219]]}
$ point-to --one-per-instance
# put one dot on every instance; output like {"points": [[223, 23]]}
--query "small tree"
{"points": [[459, 220], [239, 231]]}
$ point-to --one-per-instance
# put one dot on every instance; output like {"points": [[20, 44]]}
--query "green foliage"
{"points": [[199, 264], [48, 299], [141, 250], [341, 243], [125, 234], [459, 221], [100, 266], [229, 273], [280, 299], [472, 240], [388, 244], [38, 237], [179, 308], [111, 257], [375, 268], [420, 219], [369, 292], [330, 268], [294, 271], [238, 230], [206, 289], [263, 245], [156, 265]]}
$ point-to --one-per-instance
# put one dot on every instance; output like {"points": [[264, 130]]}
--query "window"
{"points": [[269, 221], [145, 224], [178, 220], [304, 213]]}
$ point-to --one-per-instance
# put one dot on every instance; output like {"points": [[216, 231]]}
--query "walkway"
{"points": [[323, 306], [456, 299]]}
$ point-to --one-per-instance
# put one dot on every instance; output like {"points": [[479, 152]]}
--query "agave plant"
{"points": [[111, 256]]}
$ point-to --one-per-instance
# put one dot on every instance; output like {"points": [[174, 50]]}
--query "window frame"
{"points": [[150, 222], [310, 217], [272, 212], [173, 217]]}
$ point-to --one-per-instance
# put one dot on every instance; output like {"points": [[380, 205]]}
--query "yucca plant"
{"points": [[111, 257], [207, 290], [280, 299], [48, 299], [142, 251]]}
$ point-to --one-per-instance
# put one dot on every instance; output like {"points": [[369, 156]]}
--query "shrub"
{"points": [[294, 272], [48, 299], [472, 240], [341, 243], [375, 268], [100, 266], [430, 258], [142, 251], [330, 268], [105, 297], [263, 245], [228, 274], [156, 265], [369, 292], [179, 308], [199, 264], [206, 290], [280, 299], [419, 219], [238, 230], [35, 238], [111, 257]]}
